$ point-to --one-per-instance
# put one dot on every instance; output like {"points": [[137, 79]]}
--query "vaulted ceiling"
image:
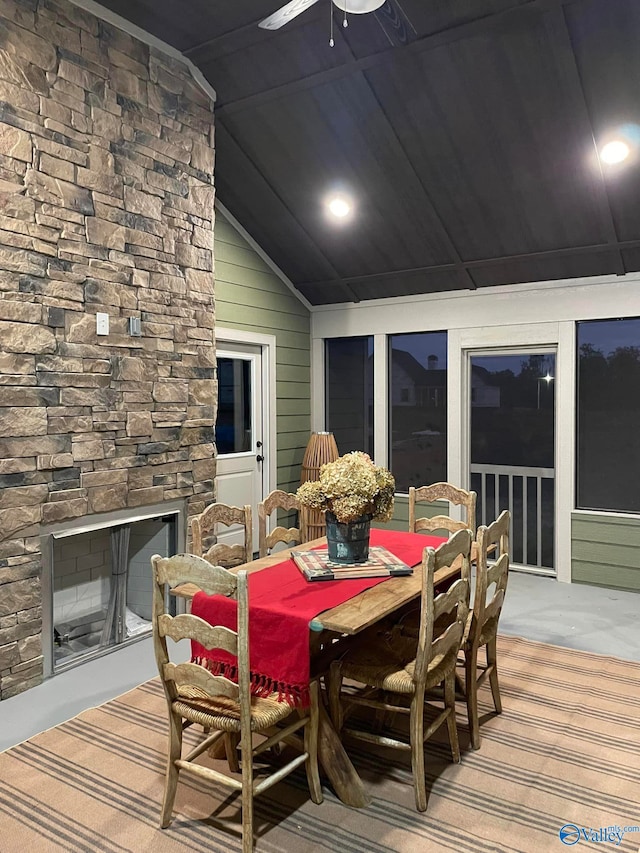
{"points": [[466, 131]]}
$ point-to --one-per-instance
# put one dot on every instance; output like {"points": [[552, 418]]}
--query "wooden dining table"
{"points": [[328, 635]]}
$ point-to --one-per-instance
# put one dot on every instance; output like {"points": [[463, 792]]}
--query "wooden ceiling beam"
{"points": [[549, 254], [428, 42]]}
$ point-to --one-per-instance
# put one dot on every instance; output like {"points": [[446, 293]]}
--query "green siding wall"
{"points": [[251, 297], [605, 551]]}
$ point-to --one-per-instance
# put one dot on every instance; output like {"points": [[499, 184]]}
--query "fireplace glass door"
{"points": [[102, 586]]}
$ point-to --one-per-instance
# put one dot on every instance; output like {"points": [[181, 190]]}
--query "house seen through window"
{"points": [[418, 408]]}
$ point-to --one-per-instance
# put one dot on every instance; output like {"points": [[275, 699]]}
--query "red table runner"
{"points": [[281, 605]]}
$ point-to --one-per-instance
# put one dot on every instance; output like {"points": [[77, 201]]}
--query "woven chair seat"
{"points": [[224, 714], [389, 661]]}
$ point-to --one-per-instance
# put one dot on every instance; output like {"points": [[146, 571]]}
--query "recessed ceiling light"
{"points": [[339, 206], [614, 152]]}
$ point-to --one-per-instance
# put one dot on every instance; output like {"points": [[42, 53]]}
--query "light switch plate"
{"points": [[102, 324]]}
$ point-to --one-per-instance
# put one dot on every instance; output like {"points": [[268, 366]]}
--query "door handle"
{"points": [[260, 458]]}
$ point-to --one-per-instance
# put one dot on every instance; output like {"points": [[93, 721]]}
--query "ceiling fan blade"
{"points": [[287, 13]]}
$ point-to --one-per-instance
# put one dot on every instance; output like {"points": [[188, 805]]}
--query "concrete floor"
{"points": [[537, 608], [590, 618]]}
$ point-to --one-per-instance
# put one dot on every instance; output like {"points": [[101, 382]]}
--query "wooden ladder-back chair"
{"points": [[225, 709], [442, 491], [490, 589], [393, 671], [204, 535], [275, 500]]}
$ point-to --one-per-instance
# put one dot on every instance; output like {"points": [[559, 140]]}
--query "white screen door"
{"points": [[239, 431], [512, 449]]}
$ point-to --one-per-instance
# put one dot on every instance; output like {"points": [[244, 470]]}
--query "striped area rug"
{"points": [[564, 753]]}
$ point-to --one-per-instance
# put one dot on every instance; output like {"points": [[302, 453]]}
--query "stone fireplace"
{"points": [[107, 360]]}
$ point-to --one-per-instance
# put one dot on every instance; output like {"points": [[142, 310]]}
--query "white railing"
{"points": [[517, 481]]}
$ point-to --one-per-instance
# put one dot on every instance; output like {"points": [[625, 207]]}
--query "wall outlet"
{"points": [[102, 324]]}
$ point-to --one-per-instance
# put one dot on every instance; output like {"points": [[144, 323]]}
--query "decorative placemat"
{"points": [[316, 566]]}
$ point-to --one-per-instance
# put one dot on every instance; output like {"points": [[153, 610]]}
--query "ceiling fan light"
{"points": [[358, 7]]}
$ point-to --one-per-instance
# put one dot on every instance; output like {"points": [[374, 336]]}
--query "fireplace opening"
{"points": [[101, 588]]}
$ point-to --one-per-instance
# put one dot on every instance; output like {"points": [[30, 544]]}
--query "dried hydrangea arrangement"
{"points": [[350, 487]]}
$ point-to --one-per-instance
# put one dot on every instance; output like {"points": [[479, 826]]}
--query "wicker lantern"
{"points": [[322, 448]]}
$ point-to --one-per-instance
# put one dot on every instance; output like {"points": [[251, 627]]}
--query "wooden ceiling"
{"points": [[465, 130]]}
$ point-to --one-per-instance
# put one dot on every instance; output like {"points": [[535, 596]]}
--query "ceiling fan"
{"points": [[291, 10]]}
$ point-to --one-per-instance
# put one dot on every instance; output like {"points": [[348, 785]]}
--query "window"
{"points": [[233, 426], [349, 392], [608, 436], [418, 408]]}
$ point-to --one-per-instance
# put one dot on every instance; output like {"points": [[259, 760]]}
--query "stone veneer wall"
{"points": [[106, 204]]}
